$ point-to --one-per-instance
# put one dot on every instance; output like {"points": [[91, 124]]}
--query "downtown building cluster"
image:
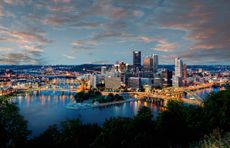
{"points": [[138, 76]]}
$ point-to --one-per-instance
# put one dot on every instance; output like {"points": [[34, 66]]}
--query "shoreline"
{"points": [[89, 106]]}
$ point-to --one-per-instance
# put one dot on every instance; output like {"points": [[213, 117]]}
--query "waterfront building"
{"points": [[120, 70], [157, 81], [146, 81], [147, 88], [94, 79], [112, 83], [134, 83]]}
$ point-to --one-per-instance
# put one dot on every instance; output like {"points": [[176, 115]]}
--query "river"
{"points": [[44, 108]]}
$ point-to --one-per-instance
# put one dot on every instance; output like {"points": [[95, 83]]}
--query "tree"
{"points": [[13, 127], [50, 137], [115, 133], [172, 124], [217, 111]]}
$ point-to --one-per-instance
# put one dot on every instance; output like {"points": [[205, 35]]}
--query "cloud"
{"points": [[24, 37], [60, 9], [204, 22], [1, 10], [17, 2], [211, 56], [61, 1], [138, 13], [29, 45], [4, 49], [164, 45], [69, 56], [185, 28], [18, 59]]}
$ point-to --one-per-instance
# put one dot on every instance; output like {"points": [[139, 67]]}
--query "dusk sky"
{"points": [[105, 31]]}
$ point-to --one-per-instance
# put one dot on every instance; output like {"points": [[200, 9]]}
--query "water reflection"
{"points": [[203, 93], [43, 108]]}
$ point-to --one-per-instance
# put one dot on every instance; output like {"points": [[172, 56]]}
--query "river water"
{"points": [[44, 108]]}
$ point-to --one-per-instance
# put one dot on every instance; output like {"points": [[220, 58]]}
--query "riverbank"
{"points": [[82, 106]]}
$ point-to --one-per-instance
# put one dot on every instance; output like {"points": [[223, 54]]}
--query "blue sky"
{"points": [[106, 31]]}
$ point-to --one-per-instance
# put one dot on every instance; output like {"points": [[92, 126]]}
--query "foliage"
{"points": [[110, 98], [217, 111], [72, 133], [215, 139], [13, 128], [126, 132], [81, 96]]}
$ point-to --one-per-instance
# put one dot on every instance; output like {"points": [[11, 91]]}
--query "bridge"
{"points": [[171, 93], [158, 96]]}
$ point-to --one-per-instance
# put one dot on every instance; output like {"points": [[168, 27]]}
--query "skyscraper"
{"points": [[178, 67], [155, 62], [177, 79], [148, 64], [136, 59], [184, 74]]}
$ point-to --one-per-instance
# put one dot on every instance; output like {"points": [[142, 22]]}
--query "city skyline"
{"points": [[73, 32]]}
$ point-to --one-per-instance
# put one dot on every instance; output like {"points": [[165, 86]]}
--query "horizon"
{"points": [[69, 32], [111, 64]]}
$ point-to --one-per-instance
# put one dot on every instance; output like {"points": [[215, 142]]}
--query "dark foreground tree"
{"points": [[13, 127], [71, 133], [217, 111]]}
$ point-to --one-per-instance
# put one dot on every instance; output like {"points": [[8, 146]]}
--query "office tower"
{"points": [[122, 67], [177, 81], [157, 81], [148, 64], [136, 60], [155, 62], [103, 70], [178, 67], [184, 74], [112, 83], [134, 82], [93, 80], [178, 77], [167, 78]]}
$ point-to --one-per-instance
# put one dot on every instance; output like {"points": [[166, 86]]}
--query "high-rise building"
{"points": [[157, 81], [134, 82], [178, 67], [167, 78], [136, 60], [113, 83], [148, 64], [155, 62], [178, 77], [93, 80], [103, 70], [184, 74], [177, 81]]}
